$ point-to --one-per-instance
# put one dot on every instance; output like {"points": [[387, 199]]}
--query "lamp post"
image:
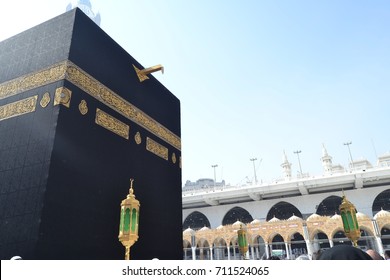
{"points": [[242, 241], [214, 166], [254, 169], [128, 226], [299, 161], [350, 223], [349, 150]]}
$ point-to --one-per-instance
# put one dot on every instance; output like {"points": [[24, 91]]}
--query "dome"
{"points": [[220, 227], [204, 228], [382, 214], [294, 218], [274, 219], [188, 230], [238, 224], [361, 216], [335, 217], [313, 217], [255, 222]]}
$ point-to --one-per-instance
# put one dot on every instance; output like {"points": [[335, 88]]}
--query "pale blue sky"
{"points": [[256, 77]]}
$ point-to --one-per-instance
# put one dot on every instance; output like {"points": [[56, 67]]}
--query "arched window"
{"points": [[329, 206], [385, 236], [320, 241], [382, 201], [196, 220], [298, 245], [283, 210], [237, 214], [340, 238]]}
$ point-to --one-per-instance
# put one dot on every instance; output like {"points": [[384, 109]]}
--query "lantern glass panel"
{"points": [[122, 218], [242, 240], [133, 220], [127, 220], [345, 222], [351, 224]]}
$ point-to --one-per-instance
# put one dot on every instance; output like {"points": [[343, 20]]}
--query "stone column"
{"points": [[309, 244], [290, 250], [287, 250], [247, 255], [377, 235], [267, 250]]}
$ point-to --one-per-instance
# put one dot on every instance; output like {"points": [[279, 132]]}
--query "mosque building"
{"points": [[290, 216]]}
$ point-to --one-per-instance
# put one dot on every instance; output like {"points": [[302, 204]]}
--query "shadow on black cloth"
{"points": [[344, 252]]}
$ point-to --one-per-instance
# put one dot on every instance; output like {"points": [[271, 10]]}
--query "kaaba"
{"points": [[78, 120]]}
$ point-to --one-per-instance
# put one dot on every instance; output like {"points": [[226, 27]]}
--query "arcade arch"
{"points": [[329, 206], [196, 220], [282, 211], [382, 201], [236, 214], [297, 245]]}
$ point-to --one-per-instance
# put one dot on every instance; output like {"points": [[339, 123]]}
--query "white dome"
{"points": [[204, 228], [189, 230], [274, 219], [255, 221], [220, 227], [362, 216], [382, 214], [238, 224], [335, 217], [313, 217], [294, 218]]}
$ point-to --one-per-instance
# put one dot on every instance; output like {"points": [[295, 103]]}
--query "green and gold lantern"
{"points": [[242, 242], [128, 227], [350, 223]]}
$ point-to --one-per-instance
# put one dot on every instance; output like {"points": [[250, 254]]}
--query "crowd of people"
{"points": [[342, 252], [339, 252]]}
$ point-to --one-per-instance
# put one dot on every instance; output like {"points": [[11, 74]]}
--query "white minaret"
{"points": [[326, 160], [286, 165], [86, 7]]}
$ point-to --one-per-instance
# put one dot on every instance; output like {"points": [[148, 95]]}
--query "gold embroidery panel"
{"points": [[40, 78], [83, 107], [137, 138], [156, 148], [105, 95], [174, 158], [71, 72], [62, 96], [18, 108], [45, 100], [112, 124]]}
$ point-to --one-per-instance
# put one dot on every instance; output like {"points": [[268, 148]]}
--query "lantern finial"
{"points": [[131, 191]]}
